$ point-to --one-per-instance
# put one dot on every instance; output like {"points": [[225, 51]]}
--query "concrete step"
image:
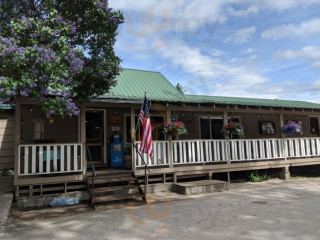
{"points": [[204, 186], [116, 197]]}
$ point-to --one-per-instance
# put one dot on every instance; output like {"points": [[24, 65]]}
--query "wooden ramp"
{"points": [[204, 186], [112, 185]]}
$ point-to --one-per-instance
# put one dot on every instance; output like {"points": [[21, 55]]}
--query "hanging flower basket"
{"points": [[291, 127], [233, 128], [175, 128]]}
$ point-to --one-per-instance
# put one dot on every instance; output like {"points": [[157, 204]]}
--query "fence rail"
{"points": [[160, 153], [37, 159], [171, 153]]}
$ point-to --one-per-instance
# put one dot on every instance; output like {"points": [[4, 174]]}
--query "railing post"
{"points": [[228, 151], [170, 155], [133, 156]]}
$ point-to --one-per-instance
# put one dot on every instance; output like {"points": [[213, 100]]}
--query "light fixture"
{"points": [[95, 110], [51, 120], [31, 109], [22, 122]]}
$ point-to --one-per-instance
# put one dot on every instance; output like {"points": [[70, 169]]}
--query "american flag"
{"points": [[146, 140]]}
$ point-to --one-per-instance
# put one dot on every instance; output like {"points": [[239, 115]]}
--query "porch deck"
{"points": [[206, 157]]}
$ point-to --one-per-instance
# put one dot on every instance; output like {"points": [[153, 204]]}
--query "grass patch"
{"points": [[256, 176]]}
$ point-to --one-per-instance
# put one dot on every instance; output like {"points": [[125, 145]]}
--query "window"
{"points": [[211, 127], [38, 129]]}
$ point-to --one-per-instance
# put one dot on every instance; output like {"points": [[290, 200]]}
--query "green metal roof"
{"points": [[251, 101], [132, 84]]}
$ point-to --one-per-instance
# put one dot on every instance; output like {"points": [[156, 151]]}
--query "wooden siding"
{"points": [[61, 131], [7, 141]]}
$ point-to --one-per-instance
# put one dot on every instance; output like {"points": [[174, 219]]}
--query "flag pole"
{"points": [[132, 139], [145, 94]]}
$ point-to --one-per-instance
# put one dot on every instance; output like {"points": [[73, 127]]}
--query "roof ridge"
{"points": [[269, 99], [141, 70]]}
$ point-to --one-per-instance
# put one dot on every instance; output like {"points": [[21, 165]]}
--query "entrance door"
{"points": [[95, 134], [314, 127], [211, 128]]}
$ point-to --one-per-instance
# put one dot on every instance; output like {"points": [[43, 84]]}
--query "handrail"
{"points": [[93, 169]]}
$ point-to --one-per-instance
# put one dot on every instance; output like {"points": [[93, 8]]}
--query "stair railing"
{"points": [[93, 170]]}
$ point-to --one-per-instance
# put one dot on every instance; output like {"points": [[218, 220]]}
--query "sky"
{"points": [[237, 48]]}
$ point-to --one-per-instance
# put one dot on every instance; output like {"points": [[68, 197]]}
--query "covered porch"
{"points": [[55, 152]]}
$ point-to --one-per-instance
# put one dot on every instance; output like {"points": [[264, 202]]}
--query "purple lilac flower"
{"points": [[24, 94]]}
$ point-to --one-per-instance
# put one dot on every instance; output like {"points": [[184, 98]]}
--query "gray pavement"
{"points": [[6, 196], [270, 210]]}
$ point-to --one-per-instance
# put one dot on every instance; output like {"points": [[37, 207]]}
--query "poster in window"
{"points": [[267, 128]]}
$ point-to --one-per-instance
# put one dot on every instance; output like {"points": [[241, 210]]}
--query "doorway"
{"points": [[95, 135], [211, 128], [314, 127]]}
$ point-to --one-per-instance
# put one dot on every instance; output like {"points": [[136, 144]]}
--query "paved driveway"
{"points": [[270, 210]]}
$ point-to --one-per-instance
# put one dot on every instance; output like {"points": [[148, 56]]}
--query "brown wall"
{"points": [[7, 140], [61, 131], [250, 122]]}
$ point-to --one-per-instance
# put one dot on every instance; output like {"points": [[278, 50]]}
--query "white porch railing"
{"points": [[37, 159], [255, 149], [199, 151], [302, 147], [170, 153], [160, 153]]}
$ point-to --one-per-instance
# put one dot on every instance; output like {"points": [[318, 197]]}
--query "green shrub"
{"points": [[256, 176]]}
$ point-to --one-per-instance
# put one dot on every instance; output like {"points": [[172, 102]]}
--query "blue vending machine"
{"points": [[116, 152]]}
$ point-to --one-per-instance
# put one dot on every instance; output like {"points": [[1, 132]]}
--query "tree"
{"points": [[180, 88], [57, 51]]}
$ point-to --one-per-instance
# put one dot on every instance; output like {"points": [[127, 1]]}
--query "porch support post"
{"points": [[285, 173], [133, 136], [225, 118], [83, 138], [168, 116], [17, 126], [133, 124], [170, 155]]}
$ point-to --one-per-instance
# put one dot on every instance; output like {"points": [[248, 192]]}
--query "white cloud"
{"points": [[303, 30], [311, 53], [249, 50], [243, 12], [217, 52], [214, 77], [242, 35]]}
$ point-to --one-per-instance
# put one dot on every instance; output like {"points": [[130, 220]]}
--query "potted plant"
{"points": [[233, 128], [175, 129], [291, 127]]}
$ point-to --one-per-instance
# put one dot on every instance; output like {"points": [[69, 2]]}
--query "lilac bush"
{"points": [[57, 52]]}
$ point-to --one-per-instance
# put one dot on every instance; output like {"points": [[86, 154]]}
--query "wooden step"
{"points": [[111, 180], [116, 197], [114, 188], [108, 172], [97, 166]]}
